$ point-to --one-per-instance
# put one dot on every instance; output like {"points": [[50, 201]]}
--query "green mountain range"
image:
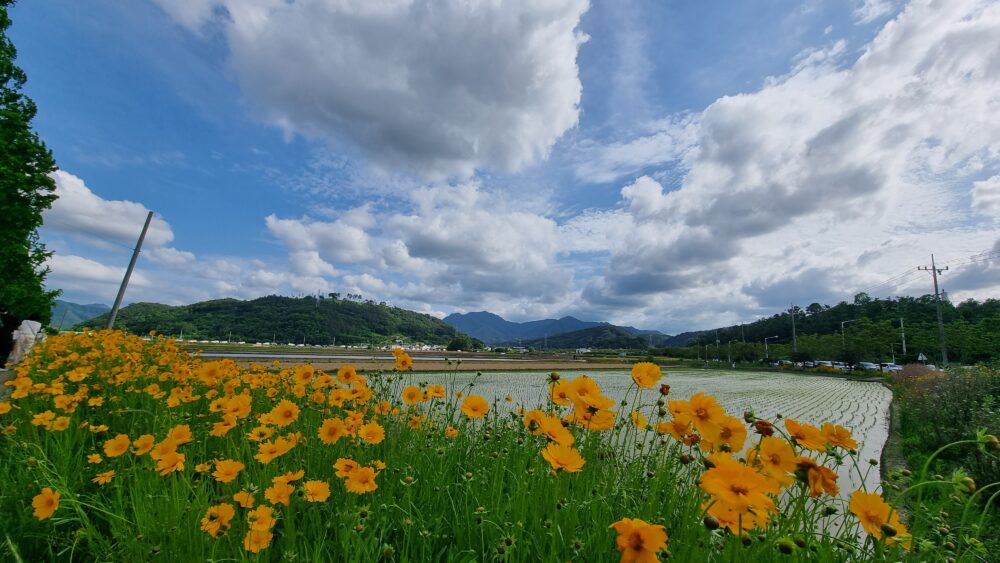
{"points": [[603, 337], [66, 314], [298, 320]]}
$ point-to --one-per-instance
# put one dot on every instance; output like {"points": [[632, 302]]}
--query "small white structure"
{"points": [[583, 350], [25, 337]]}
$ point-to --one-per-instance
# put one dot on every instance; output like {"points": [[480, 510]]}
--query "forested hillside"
{"points": [[308, 320]]}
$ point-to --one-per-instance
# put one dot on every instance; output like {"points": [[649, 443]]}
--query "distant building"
{"points": [[583, 350]]}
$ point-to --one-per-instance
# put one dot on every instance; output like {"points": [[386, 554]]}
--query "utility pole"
{"points": [[128, 272], [934, 270], [795, 341], [903, 333]]}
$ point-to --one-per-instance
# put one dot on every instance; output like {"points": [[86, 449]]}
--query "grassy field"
{"points": [[115, 448]]}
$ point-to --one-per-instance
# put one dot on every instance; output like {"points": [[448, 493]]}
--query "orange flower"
{"points": [[435, 391], [646, 374], [116, 446], [180, 434], [94, 458], [284, 413], [279, 493], [586, 395], [217, 518], [5, 407], [639, 541], [451, 432], [777, 459], [563, 457], [45, 503], [316, 491], [344, 467], [739, 486], [372, 433], [269, 451], [143, 444], [639, 421], [170, 463], [383, 407], [874, 514], [475, 406], [290, 477], [332, 430], [361, 480], [553, 429], [705, 412], [163, 448], [678, 427], [806, 435], [403, 360], [303, 374], [257, 540], [837, 435], [104, 478], [227, 470], [347, 374], [260, 433], [819, 478], [244, 499], [261, 518], [560, 393], [729, 431], [412, 395]]}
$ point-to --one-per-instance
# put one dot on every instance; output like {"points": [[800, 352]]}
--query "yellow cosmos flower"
{"points": [[5, 407], [227, 470], [837, 435], [412, 395], [777, 459], [436, 391], [646, 374], [372, 433], [94, 458], [279, 493], [244, 499], [257, 540], [820, 478], [739, 486], [284, 413], [475, 406], [316, 491], [344, 467], [806, 435], [143, 444], [639, 421], [403, 361], [180, 434], [347, 374], [563, 457], [116, 446], [451, 432], [261, 518], [874, 513], [331, 430], [45, 503], [170, 463], [639, 541], [260, 433], [104, 478], [560, 393], [361, 480], [217, 518]]}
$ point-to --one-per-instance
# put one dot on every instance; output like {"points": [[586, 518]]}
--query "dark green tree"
{"points": [[460, 342], [26, 189]]}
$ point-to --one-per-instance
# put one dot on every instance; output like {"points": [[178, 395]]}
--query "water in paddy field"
{"points": [[861, 407]]}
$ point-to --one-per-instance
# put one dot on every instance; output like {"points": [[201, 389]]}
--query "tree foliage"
{"points": [[26, 189], [284, 319]]}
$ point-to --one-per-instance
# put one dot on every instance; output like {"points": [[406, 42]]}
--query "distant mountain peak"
{"points": [[494, 329]]}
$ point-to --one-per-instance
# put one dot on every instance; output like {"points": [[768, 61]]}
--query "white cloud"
{"points": [[169, 256], [342, 240], [986, 196], [441, 88], [79, 211], [867, 11]]}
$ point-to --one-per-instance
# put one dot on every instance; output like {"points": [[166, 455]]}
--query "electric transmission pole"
{"points": [[128, 272], [934, 270]]}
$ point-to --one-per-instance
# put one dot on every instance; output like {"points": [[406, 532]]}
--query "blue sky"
{"points": [[671, 165]]}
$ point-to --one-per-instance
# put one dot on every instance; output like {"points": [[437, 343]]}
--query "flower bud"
{"points": [[763, 427], [889, 530], [664, 389], [992, 442], [749, 417], [968, 483], [786, 546], [711, 522], [553, 376]]}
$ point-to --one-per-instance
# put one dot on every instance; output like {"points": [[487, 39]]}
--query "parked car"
{"points": [[868, 366], [891, 367]]}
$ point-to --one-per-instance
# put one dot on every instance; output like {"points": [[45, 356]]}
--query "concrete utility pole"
{"points": [[903, 333], [795, 341], [767, 356], [843, 341], [934, 270], [128, 272]]}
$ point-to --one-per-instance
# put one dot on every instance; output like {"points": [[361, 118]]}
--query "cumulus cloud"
{"points": [[79, 211], [339, 240], [440, 88], [835, 157], [867, 11], [986, 196]]}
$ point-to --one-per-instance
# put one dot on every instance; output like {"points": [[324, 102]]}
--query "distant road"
{"points": [[356, 358]]}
